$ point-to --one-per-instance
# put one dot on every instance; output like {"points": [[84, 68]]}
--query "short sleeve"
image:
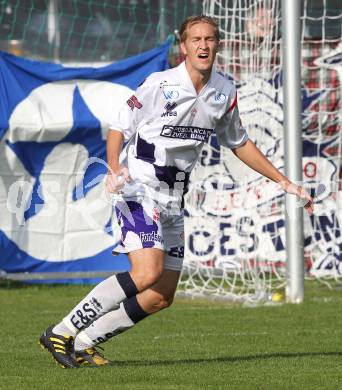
{"points": [[134, 111], [229, 129]]}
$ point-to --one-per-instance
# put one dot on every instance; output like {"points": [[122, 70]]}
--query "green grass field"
{"points": [[193, 345]]}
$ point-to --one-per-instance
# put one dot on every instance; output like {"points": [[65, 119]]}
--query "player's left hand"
{"points": [[301, 193]]}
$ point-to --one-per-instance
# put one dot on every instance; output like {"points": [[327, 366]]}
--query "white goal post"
{"points": [[293, 148], [235, 232]]}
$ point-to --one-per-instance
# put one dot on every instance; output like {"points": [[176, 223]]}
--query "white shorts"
{"points": [[144, 224]]}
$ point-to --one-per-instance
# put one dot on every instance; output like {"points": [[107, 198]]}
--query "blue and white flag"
{"points": [[54, 216]]}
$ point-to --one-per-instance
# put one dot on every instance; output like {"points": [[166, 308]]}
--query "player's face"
{"points": [[200, 46]]}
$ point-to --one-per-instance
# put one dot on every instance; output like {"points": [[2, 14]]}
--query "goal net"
{"points": [[235, 245], [88, 32]]}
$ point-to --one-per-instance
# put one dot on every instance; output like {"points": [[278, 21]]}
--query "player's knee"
{"points": [[147, 267], [162, 302], [151, 277], [168, 301], [147, 278]]}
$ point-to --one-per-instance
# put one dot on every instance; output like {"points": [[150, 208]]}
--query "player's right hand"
{"points": [[116, 181]]}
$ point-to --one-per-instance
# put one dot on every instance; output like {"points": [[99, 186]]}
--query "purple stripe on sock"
{"points": [[127, 284], [134, 310]]}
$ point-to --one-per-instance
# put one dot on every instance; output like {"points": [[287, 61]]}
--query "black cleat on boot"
{"points": [[60, 347], [91, 357]]}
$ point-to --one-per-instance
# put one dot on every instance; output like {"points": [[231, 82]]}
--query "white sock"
{"points": [[82, 342], [65, 329], [103, 298], [109, 325]]}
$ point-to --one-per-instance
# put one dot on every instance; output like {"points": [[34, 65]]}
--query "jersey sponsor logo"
{"points": [[220, 97], [133, 102], [186, 132], [169, 94], [169, 109], [150, 237]]}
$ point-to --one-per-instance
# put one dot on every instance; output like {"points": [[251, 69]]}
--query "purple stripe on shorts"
{"points": [[131, 217]]}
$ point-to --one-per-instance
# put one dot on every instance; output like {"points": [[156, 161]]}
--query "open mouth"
{"points": [[203, 55]]}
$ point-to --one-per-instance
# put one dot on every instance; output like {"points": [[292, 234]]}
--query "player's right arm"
{"points": [[117, 175], [135, 111]]}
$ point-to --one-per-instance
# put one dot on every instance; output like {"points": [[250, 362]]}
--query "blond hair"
{"points": [[191, 20]]}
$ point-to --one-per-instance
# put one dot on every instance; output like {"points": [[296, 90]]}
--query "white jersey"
{"points": [[167, 123]]}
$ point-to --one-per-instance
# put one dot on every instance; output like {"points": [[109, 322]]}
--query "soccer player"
{"points": [[166, 122]]}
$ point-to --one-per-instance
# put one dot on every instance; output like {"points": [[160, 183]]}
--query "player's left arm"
{"points": [[255, 159]]}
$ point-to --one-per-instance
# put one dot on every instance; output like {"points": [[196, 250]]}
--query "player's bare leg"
{"points": [[137, 307], [161, 294], [151, 300], [147, 267]]}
